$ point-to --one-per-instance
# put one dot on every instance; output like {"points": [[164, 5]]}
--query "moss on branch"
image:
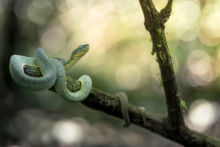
{"points": [[172, 127], [154, 23], [110, 104]]}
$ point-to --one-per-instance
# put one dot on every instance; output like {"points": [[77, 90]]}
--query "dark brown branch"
{"points": [[110, 104], [165, 12], [154, 23], [176, 129], [172, 127], [149, 13]]}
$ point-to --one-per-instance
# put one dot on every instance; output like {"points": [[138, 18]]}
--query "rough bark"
{"points": [[172, 126], [154, 23], [110, 104]]}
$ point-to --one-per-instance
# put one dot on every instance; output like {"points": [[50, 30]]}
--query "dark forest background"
{"points": [[119, 60]]}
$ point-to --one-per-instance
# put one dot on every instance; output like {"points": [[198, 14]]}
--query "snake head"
{"points": [[76, 55], [84, 47], [80, 51]]}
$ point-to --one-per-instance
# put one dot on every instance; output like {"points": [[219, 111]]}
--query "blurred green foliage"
{"points": [[120, 48]]}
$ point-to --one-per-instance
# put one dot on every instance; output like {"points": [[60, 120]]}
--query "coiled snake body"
{"points": [[53, 72]]}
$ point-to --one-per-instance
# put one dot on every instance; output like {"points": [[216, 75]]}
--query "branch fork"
{"points": [[154, 23], [172, 126]]}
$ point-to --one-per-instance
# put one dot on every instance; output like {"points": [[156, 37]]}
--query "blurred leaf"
{"points": [[183, 105]]}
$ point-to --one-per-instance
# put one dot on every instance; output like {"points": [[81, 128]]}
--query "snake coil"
{"points": [[53, 71]]}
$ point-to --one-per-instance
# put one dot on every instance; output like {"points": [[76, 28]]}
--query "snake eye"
{"points": [[84, 46]]}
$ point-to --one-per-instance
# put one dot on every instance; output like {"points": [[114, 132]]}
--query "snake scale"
{"points": [[53, 71]]}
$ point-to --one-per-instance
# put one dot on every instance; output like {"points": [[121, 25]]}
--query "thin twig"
{"points": [[154, 23]]}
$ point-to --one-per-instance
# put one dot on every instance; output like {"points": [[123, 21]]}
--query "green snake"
{"points": [[53, 71]]}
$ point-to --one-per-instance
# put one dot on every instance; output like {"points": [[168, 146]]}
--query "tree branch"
{"points": [[154, 23], [173, 126], [110, 104], [165, 12]]}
